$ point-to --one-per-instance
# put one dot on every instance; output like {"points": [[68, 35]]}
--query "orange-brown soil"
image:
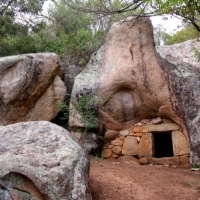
{"points": [[112, 180]]}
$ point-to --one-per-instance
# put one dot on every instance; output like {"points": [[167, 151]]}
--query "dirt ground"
{"points": [[112, 180]]}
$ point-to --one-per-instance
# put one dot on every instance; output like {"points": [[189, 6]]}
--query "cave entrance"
{"points": [[163, 144]]}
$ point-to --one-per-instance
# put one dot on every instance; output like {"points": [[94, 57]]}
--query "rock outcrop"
{"points": [[40, 160], [183, 77], [71, 71], [133, 82], [30, 87]]}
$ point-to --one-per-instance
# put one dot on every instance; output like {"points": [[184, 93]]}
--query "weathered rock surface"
{"points": [[130, 146], [180, 145], [156, 127], [30, 87], [41, 160], [143, 160], [134, 82], [185, 160], [145, 146], [117, 150], [184, 83], [111, 135], [106, 153], [164, 161], [71, 71], [117, 142], [128, 159], [181, 54]]}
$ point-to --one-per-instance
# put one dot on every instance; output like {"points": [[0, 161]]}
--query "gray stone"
{"points": [[71, 71], [48, 156]]}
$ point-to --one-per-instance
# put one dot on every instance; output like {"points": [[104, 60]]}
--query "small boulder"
{"points": [[117, 150], [124, 132], [106, 153], [143, 161], [111, 135], [117, 142]]}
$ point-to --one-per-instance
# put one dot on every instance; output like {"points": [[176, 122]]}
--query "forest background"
{"points": [[74, 29]]}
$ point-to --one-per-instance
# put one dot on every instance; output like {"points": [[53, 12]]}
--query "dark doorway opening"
{"points": [[163, 144]]}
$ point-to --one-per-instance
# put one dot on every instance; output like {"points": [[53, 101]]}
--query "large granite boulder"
{"points": [[41, 161], [181, 54], [30, 87], [133, 82], [184, 85]]}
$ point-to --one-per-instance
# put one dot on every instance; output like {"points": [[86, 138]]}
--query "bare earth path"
{"points": [[112, 180]]}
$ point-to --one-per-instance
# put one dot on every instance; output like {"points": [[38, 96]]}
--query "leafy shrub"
{"points": [[187, 33], [87, 105], [197, 54]]}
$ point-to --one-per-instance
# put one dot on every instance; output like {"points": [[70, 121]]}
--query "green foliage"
{"points": [[187, 10], [196, 165], [17, 40], [187, 33], [67, 32], [65, 110], [74, 35], [18, 26], [197, 54], [160, 35], [87, 105], [70, 34]]}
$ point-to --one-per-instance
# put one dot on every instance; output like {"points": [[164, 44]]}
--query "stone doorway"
{"points": [[157, 140], [162, 144]]}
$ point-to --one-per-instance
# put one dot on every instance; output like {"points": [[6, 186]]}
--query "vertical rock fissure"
{"points": [[142, 65]]}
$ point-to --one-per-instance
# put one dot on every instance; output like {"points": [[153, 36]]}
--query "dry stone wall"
{"points": [[138, 142]]}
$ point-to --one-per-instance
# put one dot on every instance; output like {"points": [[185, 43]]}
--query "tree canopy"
{"points": [[74, 35], [18, 20], [187, 10]]}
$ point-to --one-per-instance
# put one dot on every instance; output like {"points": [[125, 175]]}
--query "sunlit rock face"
{"points": [[30, 87], [133, 82]]}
